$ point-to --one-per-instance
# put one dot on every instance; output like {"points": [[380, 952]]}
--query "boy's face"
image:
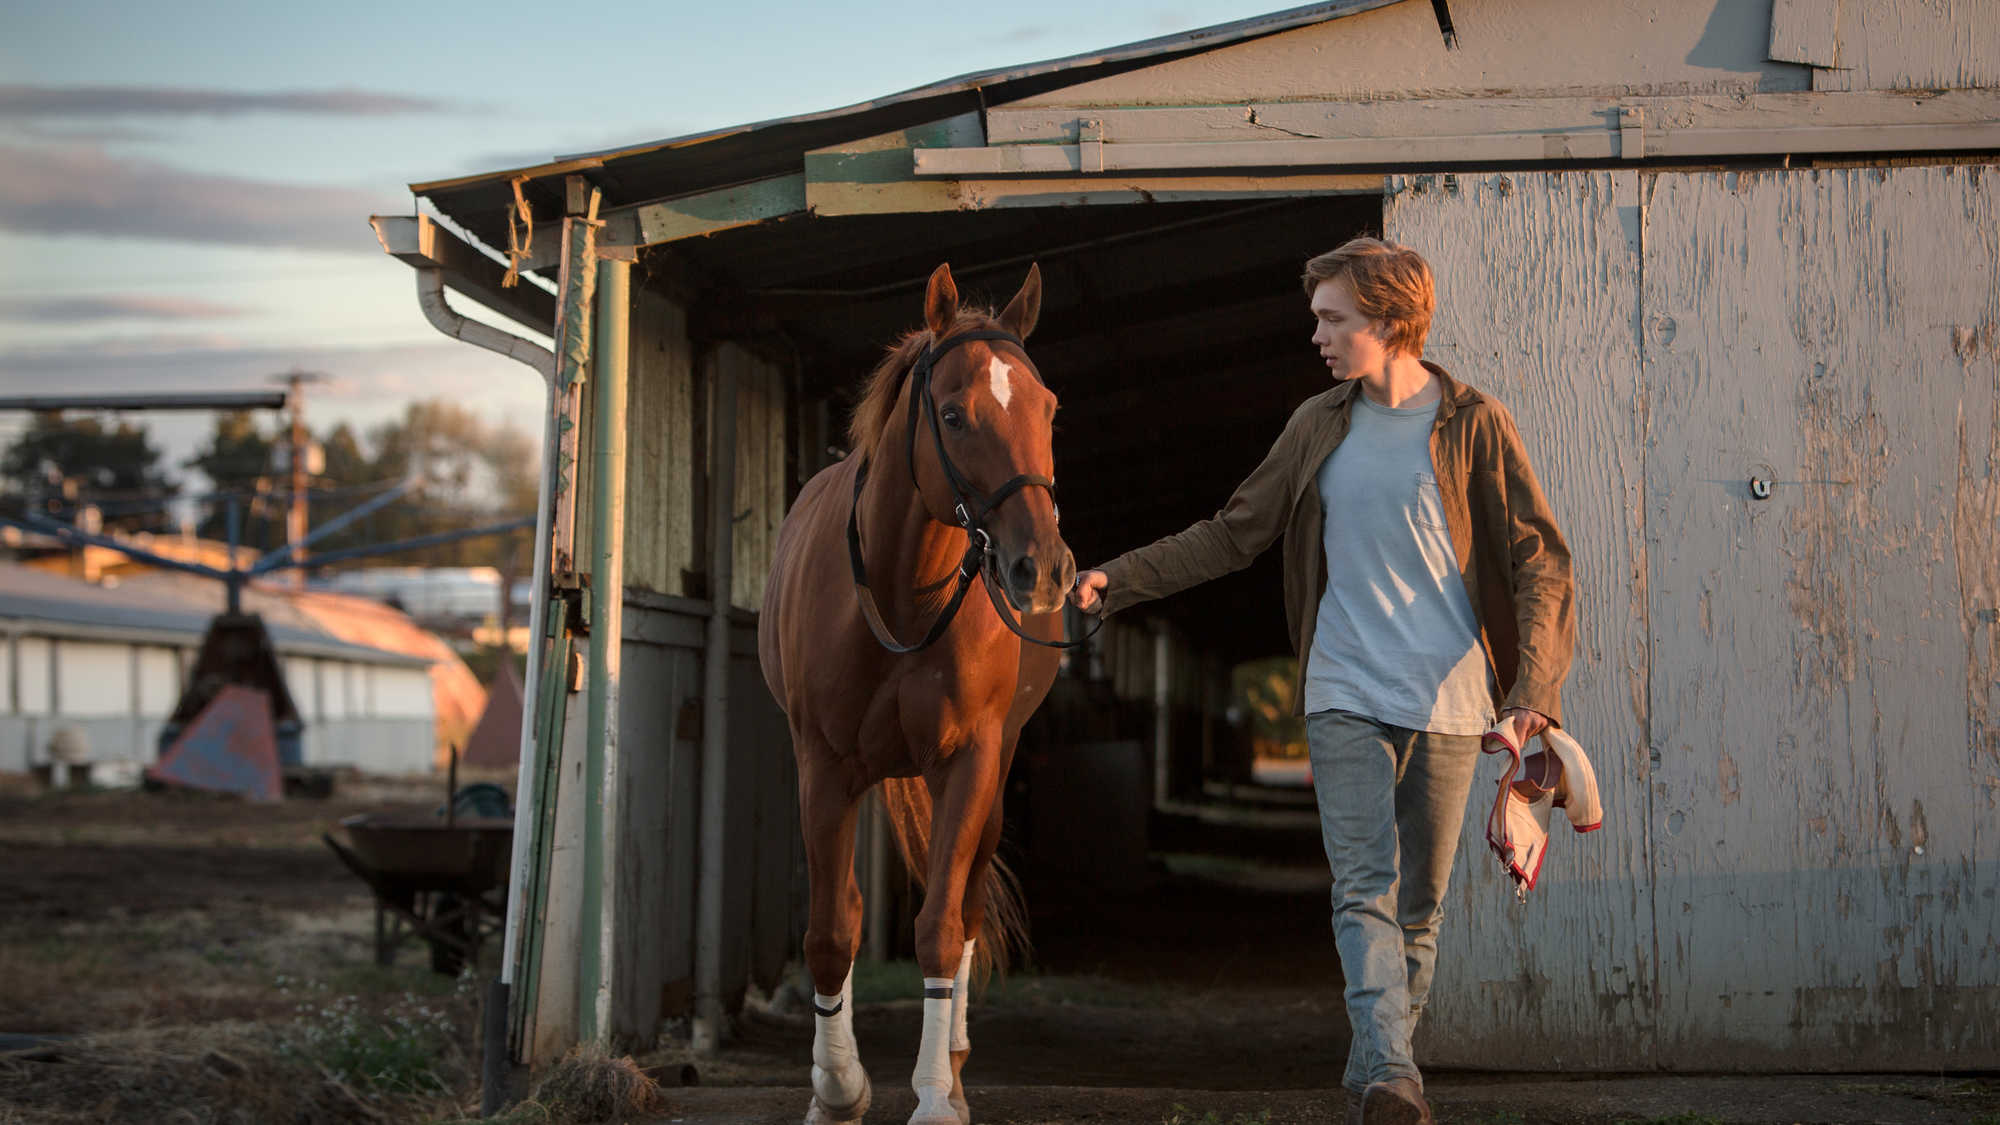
{"points": [[1350, 343]]}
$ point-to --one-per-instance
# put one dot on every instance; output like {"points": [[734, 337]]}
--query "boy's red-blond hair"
{"points": [[1391, 284]]}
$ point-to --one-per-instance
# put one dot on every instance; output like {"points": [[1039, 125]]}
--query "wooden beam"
{"points": [[1050, 141], [423, 244], [691, 216]]}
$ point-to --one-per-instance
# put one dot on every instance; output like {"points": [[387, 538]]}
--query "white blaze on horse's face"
{"points": [[1002, 377]]}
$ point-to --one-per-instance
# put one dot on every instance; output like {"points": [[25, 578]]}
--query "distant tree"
{"points": [[237, 460], [473, 474], [62, 462], [346, 462]]}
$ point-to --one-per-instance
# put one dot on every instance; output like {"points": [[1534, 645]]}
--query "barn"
{"points": [[1731, 263]]}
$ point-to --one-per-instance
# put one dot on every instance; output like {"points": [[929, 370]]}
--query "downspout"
{"points": [[706, 1034], [430, 298], [607, 597]]}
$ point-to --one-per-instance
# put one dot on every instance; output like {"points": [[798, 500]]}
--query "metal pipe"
{"points": [[707, 1030], [44, 526], [430, 297], [280, 557], [233, 581], [186, 400], [607, 597], [522, 862], [437, 539]]}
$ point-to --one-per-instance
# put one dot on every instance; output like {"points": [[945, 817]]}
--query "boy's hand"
{"points": [[1527, 724], [1084, 594]]}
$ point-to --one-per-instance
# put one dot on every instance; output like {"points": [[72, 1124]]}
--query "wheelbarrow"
{"points": [[442, 882]]}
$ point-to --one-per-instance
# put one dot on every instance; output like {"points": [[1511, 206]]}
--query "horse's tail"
{"points": [[907, 801]]}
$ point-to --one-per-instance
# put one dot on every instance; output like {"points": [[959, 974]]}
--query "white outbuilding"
{"points": [[90, 674]]}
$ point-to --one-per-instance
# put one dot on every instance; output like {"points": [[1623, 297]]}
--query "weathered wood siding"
{"points": [[660, 519], [1538, 283], [1823, 690], [659, 831], [1605, 46], [1792, 702], [761, 489], [1890, 44]]}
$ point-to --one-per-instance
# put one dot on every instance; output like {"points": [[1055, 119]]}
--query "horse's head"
{"points": [[991, 418]]}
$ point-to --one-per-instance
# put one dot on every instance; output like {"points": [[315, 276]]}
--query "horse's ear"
{"points": [[940, 301], [1021, 313]]}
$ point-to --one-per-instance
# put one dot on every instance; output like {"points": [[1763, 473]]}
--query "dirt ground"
{"points": [[173, 958]]}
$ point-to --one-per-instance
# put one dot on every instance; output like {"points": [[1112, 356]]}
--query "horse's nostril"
{"points": [[1022, 574]]}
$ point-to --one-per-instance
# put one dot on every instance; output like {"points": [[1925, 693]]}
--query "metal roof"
{"points": [[738, 154], [39, 603]]}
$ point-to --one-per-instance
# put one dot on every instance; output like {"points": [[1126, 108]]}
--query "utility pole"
{"points": [[298, 454]]}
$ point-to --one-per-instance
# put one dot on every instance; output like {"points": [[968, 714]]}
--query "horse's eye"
{"points": [[953, 419]]}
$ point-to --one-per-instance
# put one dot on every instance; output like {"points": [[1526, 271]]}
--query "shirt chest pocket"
{"points": [[1426, 502]]}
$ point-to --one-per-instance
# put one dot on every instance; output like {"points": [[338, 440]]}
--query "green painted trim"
{"points": [[886, 158], [893, 166], [551, 702], [695, 215]]}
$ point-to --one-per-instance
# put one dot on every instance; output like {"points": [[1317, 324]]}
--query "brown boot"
{"points": [[1353, 1115], [1399, 1101]]}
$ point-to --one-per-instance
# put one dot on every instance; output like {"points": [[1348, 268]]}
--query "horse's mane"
{"points": [[878, 394]]}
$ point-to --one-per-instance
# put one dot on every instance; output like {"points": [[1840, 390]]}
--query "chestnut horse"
{"points": [[949, 484]]}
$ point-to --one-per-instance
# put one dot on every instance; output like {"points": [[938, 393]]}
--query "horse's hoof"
{"points": [[937, 1107], [822, 1114]]}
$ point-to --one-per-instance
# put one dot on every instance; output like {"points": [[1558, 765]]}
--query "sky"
{"points": [[184, 188]]}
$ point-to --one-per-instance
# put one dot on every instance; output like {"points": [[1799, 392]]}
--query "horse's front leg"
{"points": [[965, 792], [977, 884], [827, 815]]}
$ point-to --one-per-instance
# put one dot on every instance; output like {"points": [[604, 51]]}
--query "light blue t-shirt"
{"points": [[1396, 638]]}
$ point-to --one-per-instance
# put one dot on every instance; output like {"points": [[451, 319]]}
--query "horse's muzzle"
{"points": [[1039, 583]]}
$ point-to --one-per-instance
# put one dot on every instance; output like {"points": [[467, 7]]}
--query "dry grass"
{"points": [[221, 1074], [214, 964], [590, 1086]]}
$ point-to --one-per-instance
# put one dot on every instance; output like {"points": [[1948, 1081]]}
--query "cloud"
{"points": [[75, 310], [79, 135], [84, 190], [178, 101]]}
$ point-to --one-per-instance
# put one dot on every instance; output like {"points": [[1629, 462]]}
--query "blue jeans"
{"points": [[1391, 802]]}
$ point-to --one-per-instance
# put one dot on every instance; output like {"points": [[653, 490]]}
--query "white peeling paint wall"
{"points": [[1514, 48], [1823, 684], [1538, 285], [1793, 703]]}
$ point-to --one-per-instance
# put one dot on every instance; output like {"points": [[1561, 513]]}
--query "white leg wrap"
{"points": [[932, 1080], [961, 997], [837, 1076]]}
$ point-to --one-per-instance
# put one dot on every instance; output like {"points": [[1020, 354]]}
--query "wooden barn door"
{"points": [[1826, 717], [1538, 297]]}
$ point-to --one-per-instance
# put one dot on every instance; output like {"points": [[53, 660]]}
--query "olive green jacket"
{"points": [[1511, 557]]}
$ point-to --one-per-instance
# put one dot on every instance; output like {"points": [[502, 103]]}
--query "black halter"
{"points": [[968, 507]]}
